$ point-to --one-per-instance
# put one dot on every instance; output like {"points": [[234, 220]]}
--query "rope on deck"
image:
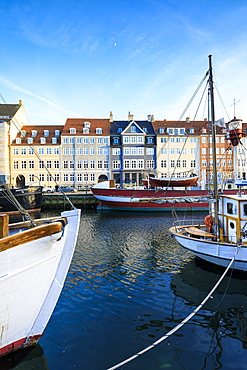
{"points": [[182, 322]]}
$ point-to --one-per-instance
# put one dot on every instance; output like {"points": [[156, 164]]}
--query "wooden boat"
{"points": [[172, 181], [223, 237], [35, 256]]}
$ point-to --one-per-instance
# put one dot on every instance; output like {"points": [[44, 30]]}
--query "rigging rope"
{"points": [[182, 322]]}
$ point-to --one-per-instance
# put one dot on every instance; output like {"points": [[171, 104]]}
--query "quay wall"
{"points": [[79, 200]]}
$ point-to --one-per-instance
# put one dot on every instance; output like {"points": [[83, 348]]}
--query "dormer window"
{"points": [[145, 129], [72, 130], [119, 130], [87, 124], [116, 140], [99, 131], [133, 128], [191, 131], [42, 140], [34, 133], [204, 130], [150, 140], [18, 140], [46, 133], [85, 130], [54, 140], [170, 131], [57, 133], [161, 130], [29, 140]]}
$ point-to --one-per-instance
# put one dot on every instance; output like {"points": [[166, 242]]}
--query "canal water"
{"points": [[129, 284]]}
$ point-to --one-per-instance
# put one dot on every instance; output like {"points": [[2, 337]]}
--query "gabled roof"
{"points": [[124, 124], [26, 132], [7, 111], [79, 124]]}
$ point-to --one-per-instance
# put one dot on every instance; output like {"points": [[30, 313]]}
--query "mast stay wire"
{"points": [[184, 321], [18, 127]]}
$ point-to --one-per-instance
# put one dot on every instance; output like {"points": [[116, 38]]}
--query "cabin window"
{"points": [[229, 207], [245, 209]]}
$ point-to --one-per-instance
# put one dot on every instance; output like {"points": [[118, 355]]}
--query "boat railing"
{"points": [[185, 223]]}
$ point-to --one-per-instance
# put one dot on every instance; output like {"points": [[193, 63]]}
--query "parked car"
{"points": [[67, 189], [47, 190]]}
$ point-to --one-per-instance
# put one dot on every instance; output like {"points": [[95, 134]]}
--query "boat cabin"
{"points": [[233, 218]]}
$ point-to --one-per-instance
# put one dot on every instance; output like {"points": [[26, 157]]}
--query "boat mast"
{"points": [[211, 91]]}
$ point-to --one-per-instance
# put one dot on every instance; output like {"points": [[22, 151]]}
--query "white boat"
{"points": [[223, 237], [34, 261]]}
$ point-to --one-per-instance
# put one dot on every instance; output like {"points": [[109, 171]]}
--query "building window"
{"points": [[56, 150], [150, 151], [65, 164], [71, 164], [31, 164], [127, 151], [15, 165], [56, 164], [79, 177], [140, 163], [92, 164], [23, 151], [126, 139], [41, 177], [92, 177], [184, 163], [85, 151], [85, 176], [99, 151], [72, 177], [41, 151], [150, 164], [116, 151], [48, 151], [193, 163], [163, 151], [85, 164], [23, 165], [100, 164], [41, 164], [57, 177], [140, 151], [133, 163], [106, 140], [106, 164], [92, 151], [92, 140], [163, 139], [126, 163], [150, 140], [65, 177], [204, 163], [133, 139], [30, 151], [85, 140], [98, 131], [100, 141], [173, 163], [72, 140], [71, 151], [65, 151], [85, 130], [115, 165], [42, 140], [163, 163], [79, 164], [79, 140]]}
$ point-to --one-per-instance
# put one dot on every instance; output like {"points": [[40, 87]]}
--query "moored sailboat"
{"points": [[222, 238]]}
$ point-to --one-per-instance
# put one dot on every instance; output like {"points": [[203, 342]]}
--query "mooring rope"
{"points": [[182, 322]]}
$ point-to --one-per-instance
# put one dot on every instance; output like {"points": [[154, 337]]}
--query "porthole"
{"points": [[232, 226]]}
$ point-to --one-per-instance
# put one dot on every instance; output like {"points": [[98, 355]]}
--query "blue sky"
{"points": [[85, 58]]}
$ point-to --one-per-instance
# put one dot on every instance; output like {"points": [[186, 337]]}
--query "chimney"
{"points": [[111, 116], [150, 118], [20, 102], [130, 117], [187, 119]]}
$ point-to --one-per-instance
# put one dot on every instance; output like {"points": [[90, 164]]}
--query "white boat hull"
{"points": [[215, 252], [31, 279]]}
